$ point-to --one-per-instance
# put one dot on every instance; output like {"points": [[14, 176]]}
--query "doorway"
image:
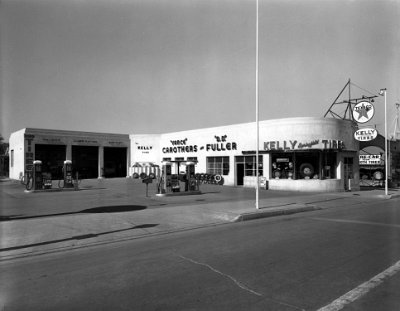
{"points": [[115, 162], [85, 161], [52, 157], [239, 174], [348, 172]]}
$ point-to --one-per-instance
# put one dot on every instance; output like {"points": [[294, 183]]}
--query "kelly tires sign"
{"points": [[365, 134]]}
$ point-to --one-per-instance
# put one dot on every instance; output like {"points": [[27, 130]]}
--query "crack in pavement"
{"points": [[223, 274], [237, 282]]}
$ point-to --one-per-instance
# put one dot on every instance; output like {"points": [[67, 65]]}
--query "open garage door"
{"points": [[85, 161], [115, 162], [52, 157]]}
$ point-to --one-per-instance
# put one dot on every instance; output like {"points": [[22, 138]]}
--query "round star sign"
{"points": [[363, 112]]}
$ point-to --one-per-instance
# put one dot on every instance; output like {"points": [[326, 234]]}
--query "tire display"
{"points": [[306, 170], [218, 178], [276, 174], [378, 175]]}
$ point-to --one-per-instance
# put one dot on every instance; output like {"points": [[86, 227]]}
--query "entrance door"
{"points": [[348, 172], [239, 174], [115, 162], [52, 157], [85, 161]]}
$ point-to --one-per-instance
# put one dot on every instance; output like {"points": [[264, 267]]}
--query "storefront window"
{"points": [[329, 165], [282, 166], [303, 165], [218, 165], [307, 165], [249, 165]]}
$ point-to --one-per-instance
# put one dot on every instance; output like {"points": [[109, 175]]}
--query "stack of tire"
{"points": [[143, 176], [212, 179]]}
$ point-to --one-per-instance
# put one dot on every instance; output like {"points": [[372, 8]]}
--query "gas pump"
{"points": [[165, 177], [191, 183], [171, 182], [37, 175], [67, 170]]}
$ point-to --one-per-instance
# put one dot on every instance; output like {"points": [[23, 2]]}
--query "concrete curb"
{"points": [[278, 211], [389, 196]]}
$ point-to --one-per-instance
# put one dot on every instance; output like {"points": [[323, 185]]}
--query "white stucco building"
{"points": [[302, 154], [92, 154]]}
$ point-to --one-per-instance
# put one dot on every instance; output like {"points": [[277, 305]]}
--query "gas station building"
{"points": [[300, 154], [93, 154]]}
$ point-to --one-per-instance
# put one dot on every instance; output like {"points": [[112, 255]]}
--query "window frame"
{"points": [[218, 165]]}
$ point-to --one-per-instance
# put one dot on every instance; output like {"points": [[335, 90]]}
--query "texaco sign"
{"points": [[363, 112]]}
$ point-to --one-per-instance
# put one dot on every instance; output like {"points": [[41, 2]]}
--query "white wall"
{"points": [[17, 141], [199, 143], [20, 145]]}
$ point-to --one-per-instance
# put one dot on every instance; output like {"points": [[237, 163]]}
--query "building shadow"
{"points": [[113, 209], [77, 237], [94, 210]]}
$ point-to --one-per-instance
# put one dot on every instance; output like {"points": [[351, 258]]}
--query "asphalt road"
{"points": [[298, 262]]}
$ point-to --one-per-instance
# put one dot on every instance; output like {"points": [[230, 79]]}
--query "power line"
{"points": [[362, 88]]}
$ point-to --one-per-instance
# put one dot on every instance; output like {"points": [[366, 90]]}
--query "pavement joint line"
{"points": [[356, 222], [77, 237], [362, 289]]}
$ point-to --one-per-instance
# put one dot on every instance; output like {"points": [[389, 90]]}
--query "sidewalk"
{"points": [[43, 234]]}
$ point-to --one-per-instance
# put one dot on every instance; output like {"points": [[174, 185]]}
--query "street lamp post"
{"points": [[382, 92], [257, 125]]}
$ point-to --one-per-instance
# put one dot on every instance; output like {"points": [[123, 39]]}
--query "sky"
{"points": [[159, 66]]}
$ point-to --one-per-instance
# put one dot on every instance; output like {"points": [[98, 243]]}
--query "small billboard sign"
{"points": [[365, 134], [370, 159]]}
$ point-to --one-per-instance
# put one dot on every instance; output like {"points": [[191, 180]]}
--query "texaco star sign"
{"points": [[363, 112]]}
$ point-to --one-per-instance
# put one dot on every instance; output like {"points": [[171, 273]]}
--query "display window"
{"points": [[303, 165], [218, 165], [248, 165], [282, 166], [329, 165], [307, 165]]}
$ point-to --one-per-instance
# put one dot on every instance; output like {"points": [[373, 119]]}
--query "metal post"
{"points": [[257, 130], [383, 92], [386, 150]]}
